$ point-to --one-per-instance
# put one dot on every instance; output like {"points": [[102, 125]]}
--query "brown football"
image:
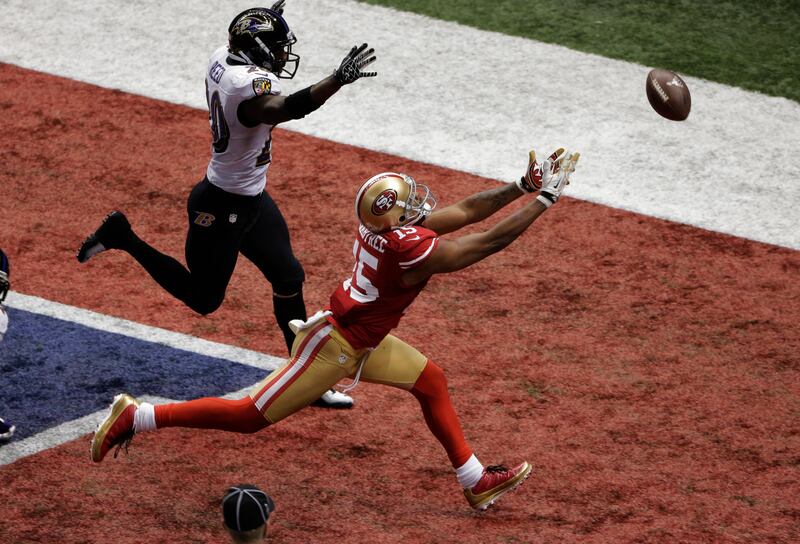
{"points": [[668, 94]]}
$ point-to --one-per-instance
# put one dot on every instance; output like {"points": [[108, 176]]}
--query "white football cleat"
{"points": [[334, 399]]}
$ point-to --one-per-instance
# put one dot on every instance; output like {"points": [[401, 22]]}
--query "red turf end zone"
{"points": [[648, 370]]}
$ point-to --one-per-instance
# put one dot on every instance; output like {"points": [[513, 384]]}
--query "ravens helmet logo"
{"points": [[254, 26]]}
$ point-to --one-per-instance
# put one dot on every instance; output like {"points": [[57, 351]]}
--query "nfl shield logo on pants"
{"points": [[232, 218]]}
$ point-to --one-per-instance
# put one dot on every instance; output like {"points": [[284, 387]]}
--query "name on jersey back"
{"points": [[375, 241], [216, 72]]}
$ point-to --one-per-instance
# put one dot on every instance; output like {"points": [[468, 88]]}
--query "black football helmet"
{"points": [[262, 37], [5, 285]]}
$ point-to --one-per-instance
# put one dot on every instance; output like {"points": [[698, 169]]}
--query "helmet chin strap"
{"points": [[240, 56], [266, 52]]}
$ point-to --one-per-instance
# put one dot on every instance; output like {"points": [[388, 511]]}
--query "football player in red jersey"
{"points": [[397, 250]]}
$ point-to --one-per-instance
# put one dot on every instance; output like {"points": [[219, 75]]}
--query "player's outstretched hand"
{"points": [[350, 68], [555, 176], [278, 6], [531, 181]]}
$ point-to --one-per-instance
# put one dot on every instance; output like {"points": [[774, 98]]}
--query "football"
{"points": [[668, 94]]}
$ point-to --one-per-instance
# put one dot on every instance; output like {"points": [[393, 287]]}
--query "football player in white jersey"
{"points": [[230, 211]]}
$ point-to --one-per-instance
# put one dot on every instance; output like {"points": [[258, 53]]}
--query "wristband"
{"points": [[546, 199], [523, 186]]}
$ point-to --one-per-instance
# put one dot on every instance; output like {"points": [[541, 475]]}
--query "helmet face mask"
{"points": [[5, 283], [389, 201], [262, 37]]}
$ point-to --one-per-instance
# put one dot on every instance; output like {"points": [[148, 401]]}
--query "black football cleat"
{"points": [[112, 234]]}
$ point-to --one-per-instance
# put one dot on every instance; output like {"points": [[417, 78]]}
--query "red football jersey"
{"points": [[371, 302]]}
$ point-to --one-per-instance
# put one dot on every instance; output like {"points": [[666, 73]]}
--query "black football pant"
{"points": [[222, 225]]}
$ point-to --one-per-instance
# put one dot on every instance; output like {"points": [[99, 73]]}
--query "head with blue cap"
{"points": [[246, 510]]}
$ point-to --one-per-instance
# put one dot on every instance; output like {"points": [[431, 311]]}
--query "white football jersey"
{"points": [[240, 156]]}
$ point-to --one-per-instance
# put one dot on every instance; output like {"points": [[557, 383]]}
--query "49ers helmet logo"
{"points": [[385, 202]]}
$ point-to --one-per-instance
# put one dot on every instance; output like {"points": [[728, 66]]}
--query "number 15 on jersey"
{"points": [[363, 291]]}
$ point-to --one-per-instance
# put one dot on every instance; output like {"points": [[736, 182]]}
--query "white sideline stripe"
{"points": [[296, 368], [141, 332], [731, 167], [71, 430]]}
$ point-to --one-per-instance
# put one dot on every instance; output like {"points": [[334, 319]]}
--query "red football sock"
{"points": [[239, 416], [431, 392]]}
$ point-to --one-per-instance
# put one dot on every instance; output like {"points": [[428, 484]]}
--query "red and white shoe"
{"points": [[496, 481], [116, 429]]}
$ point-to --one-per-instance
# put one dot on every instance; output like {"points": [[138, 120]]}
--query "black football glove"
{"points": [[350, 68]]}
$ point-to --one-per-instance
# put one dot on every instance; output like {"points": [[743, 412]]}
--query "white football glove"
{"points": [[555, 177], [531, 181]]}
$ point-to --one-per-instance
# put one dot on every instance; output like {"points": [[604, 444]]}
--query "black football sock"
{"points": [[287, 308]]}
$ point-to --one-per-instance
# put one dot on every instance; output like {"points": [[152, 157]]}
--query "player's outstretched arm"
{"points": [[273, 110], [477, 207], [450, 256], [473, 209]]}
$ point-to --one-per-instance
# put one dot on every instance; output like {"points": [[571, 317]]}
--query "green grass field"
{"points": [[753, 45]]}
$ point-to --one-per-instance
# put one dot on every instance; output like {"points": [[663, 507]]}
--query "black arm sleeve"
{"points": [[300, 104]]}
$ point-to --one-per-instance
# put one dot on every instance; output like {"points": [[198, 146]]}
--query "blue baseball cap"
{"points": [[246, 507]]}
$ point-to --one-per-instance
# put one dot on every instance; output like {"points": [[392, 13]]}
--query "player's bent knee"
{"points": [[431, 382], [290, 280], [287, 289], [249, 418], [435, 374], [254, 427]]}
